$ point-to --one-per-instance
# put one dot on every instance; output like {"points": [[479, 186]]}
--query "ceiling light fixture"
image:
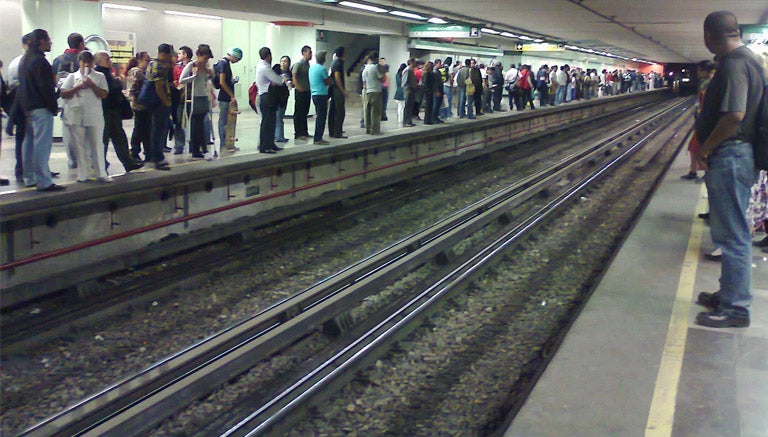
{"points": [[508, 35], [490, 31], [538, 40], [407, 15], [526, 38], [363, 7], [437, 20], [123, 7], [192, 15]]}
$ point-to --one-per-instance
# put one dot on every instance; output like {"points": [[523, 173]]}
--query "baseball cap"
{"points": [[236, 53]]}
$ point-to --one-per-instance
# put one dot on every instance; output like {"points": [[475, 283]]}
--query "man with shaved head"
{"points": [[726, 126]]}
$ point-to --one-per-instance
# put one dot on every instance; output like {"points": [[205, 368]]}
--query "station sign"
{"points": [[539, 47], [443, 31], [755, 34]]}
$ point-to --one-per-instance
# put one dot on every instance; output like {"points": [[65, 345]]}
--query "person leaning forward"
{"points": [[726, 126]]}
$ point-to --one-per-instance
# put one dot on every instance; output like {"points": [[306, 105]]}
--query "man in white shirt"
{"points": [[553, 84], [372, 97], [510, 79], [265, 78]]}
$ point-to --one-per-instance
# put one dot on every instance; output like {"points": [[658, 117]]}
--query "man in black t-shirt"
{"points": [[338, 95], [227, 91], [725, 127]]}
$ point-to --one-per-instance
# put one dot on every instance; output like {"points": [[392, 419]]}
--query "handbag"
{"points": [[148, 95], [126, 113], [470, 86]]}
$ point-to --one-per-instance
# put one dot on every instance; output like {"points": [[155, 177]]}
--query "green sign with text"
{"points": [[443, 31]]}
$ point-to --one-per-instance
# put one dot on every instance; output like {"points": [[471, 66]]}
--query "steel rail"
{"points": [[141, 400], [396, 325]]}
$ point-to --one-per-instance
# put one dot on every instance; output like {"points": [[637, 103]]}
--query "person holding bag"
{"points": [[82, 92], [196, 75], [155, 96]]}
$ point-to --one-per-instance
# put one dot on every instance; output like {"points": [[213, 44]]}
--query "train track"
{"points": [[142, 400], [67, 310]]}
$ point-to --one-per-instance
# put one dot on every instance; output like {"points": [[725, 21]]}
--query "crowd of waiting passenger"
{"points": [[173, 100]]}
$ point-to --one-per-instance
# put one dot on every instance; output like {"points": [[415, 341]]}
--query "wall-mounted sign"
{"points": [[321, 35], [443, 31], [755, 34], [539, 47]]}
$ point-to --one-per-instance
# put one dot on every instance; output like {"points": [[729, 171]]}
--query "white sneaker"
{"points": [[208, 156], [105, 179]]}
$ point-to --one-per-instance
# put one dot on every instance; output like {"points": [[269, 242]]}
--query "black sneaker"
{"points": [[709, 300], [691, 176], [725, 317]]}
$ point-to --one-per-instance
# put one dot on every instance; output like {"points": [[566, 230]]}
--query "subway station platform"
{"points": [[634, 363], [248, 138]]}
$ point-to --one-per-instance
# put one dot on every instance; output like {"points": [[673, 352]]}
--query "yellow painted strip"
{"points": [[662, 413]]}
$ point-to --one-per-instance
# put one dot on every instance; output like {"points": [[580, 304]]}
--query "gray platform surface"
{"points": [[602, 380]]}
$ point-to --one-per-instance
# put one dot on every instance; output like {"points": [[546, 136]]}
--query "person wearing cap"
{"points": [[227, 91], [726, 126]]}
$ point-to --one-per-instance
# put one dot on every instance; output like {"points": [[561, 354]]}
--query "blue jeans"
{"points": [[447, 111], [36, 149], [208, 126], [321, 113], [471, 105], [223, 114], [159, 135], [560, 94], [279, 124], [179, 132], [729, 178], [462, 109]]}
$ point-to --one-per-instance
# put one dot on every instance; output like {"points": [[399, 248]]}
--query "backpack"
{"points": [[216, 79], [253, 94]]}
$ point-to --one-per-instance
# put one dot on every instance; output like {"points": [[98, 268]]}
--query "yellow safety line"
{"points": [[662, 413]]}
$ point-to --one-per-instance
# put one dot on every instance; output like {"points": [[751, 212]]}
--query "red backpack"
{"points": [[523, 82], [253, 94]]}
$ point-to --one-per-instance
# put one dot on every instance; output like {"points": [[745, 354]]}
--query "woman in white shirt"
{"points": [[82, 92], [196, 75]]}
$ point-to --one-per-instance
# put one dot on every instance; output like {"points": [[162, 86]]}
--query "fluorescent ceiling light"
{"points": [[437, 20], [407, 15], [538, 40], [193, 15], [508, 35], [491, 31], [123, 7], [368, 8], [526, 38]]}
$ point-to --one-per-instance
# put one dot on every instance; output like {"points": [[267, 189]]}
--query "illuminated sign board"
{"points": [[443, 31]]}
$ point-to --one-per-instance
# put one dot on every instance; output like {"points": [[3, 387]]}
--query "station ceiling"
{"points": [[663, 31], [657, 30]]}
